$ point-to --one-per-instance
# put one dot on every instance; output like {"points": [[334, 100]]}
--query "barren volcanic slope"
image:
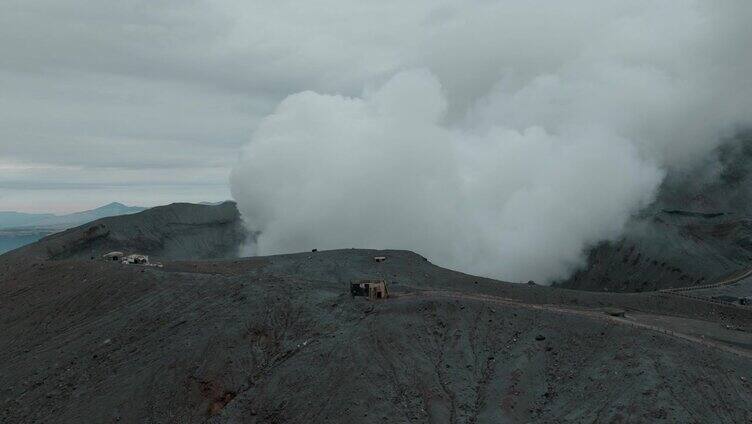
{"points": [[699, 230], [279, 339], [177, 231]]}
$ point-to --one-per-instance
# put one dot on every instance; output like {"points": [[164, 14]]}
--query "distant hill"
{"points": [[25, 220], [175, 231], [214, 203], [20, 219]]}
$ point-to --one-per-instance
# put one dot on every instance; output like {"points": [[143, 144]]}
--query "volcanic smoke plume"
{"points": [[515, 174]]}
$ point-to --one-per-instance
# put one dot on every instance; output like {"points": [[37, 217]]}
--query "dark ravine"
{"points": [[666, 251], [278, 339]]}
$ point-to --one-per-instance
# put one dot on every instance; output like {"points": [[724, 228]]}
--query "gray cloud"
{"points": [[496, 137], [149, 84], [531, 133]]}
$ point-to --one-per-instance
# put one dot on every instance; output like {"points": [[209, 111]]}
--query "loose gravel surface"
{"points": [[279, 340]]}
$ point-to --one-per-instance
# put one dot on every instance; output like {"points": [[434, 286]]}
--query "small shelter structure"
{"points": [[113, 256], [372, 289], [379, 258], [137, 259]]}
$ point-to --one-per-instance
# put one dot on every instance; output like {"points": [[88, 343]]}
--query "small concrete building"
{"points": [[379, 258], [372, 289], [113, 256], [137, 259]]}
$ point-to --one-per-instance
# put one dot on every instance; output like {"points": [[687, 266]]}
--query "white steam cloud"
{"points": [[517, 180]]}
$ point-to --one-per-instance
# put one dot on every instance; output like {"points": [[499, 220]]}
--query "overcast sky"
{"points": [[149, 101]]}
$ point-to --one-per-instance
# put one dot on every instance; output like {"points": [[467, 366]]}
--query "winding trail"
{"points": [[589, 314], [727, 282]]}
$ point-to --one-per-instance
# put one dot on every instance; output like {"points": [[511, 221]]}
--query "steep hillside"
{"points": [[670, 249], [280, 340], [19, 229], [179, 230], [699, 230]]}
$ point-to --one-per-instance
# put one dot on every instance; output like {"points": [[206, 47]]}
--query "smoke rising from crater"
{"points": [[571, 135]]}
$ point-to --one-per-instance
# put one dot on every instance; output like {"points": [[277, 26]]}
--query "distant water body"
{"points": [[10, 240]]}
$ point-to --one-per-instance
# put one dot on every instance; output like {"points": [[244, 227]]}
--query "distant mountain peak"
{"points": [[116, 206], [18, 220]]}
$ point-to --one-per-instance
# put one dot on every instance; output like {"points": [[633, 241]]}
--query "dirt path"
{"points": [[590, 314], [726, 282]]}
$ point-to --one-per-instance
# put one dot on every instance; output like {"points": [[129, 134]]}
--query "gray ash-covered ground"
{"points": [[741, 289], [279, 339], [668, 250]]}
